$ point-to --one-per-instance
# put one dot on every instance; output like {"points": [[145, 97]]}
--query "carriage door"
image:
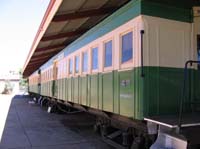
{"points": [[196, 12], [198, 50], [39, 81], [196, 30], [55, 74]]}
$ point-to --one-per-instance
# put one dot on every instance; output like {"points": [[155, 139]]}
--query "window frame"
{"points": [[63, 68], [130, 63], [70, 58], [82, 59], [50, 74], [47, 75], [67, 67], [94, 71], [79, 57], [109, 68]]}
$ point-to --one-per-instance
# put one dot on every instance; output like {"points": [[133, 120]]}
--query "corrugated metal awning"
{"points": [[63, 22]]}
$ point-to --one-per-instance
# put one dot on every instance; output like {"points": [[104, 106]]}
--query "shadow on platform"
{"points": [[28, 126]]}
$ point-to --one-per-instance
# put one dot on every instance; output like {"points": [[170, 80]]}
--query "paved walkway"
{"points": [[28, 126]]}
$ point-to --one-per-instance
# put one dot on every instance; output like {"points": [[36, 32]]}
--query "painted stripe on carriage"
{"points": [[189, 125], [160, 123], [171, 126]]}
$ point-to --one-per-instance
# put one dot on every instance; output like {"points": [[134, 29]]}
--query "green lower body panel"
{"points": [[94, 90], [65, 89], [163, 89], [34, 89], [107, 92], [58, 89], [70, 89], [84, 90], [127, 93], [76, 90]]}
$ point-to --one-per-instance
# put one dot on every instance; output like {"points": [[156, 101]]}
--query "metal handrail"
{"points": [[142, 53], [184, 90]]}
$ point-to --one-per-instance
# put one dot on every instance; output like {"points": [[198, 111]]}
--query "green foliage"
{"points": [[23, 83]]}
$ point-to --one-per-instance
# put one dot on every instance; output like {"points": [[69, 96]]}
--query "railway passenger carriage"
{"points": [[33, 83], [129, 67]]}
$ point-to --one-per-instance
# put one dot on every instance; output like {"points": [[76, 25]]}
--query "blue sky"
{"points": [[20, 20]]}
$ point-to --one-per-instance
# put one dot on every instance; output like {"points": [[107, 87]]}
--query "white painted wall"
{"points": [[167, 42]]}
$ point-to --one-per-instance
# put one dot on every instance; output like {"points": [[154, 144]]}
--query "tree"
{"points": [[23, 83]]}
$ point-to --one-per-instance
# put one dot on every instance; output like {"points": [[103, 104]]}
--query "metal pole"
{"points": [[142, 62]]}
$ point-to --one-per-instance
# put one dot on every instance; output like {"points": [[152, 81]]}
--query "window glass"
{"points": [[108, 54], [47, 74], [127, 47], [62, 70], [77, 63], [70, 66], [64, 67], [85, 62], [95, 58], [58, 70]]}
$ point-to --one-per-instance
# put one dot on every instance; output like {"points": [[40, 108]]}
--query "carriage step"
{"points": [[115, 134], [169, 141]]}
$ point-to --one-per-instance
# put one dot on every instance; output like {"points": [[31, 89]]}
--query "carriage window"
{"points": [[94, 58], [64, 68], [85, 62], [127, 47], [108, 54], [70, 66], [77, 63]]}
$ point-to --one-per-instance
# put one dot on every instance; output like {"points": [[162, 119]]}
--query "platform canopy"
{"points": [[63, 22]]}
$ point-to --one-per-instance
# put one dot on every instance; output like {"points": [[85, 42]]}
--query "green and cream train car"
{"points": [[34, 83], [129, 67]]}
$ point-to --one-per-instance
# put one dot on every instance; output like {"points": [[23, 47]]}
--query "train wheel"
{"points": [[96, 128], [138, 143], [104, 130]]}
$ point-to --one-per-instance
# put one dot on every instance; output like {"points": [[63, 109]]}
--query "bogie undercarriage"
{"points": [[117, 131]]}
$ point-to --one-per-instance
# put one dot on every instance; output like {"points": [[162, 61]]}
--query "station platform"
{"points": [[28, 126]]}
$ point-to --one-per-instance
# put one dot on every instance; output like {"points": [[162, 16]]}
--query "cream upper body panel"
{"points": [[134, 26], [167, 42]]}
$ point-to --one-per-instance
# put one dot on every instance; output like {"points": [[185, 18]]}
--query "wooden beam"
{"points": [[51, 47], [32, 69], [64, 35], [33, 59], [33, 65], [83, 14], [47, 52], [36, 62]]}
